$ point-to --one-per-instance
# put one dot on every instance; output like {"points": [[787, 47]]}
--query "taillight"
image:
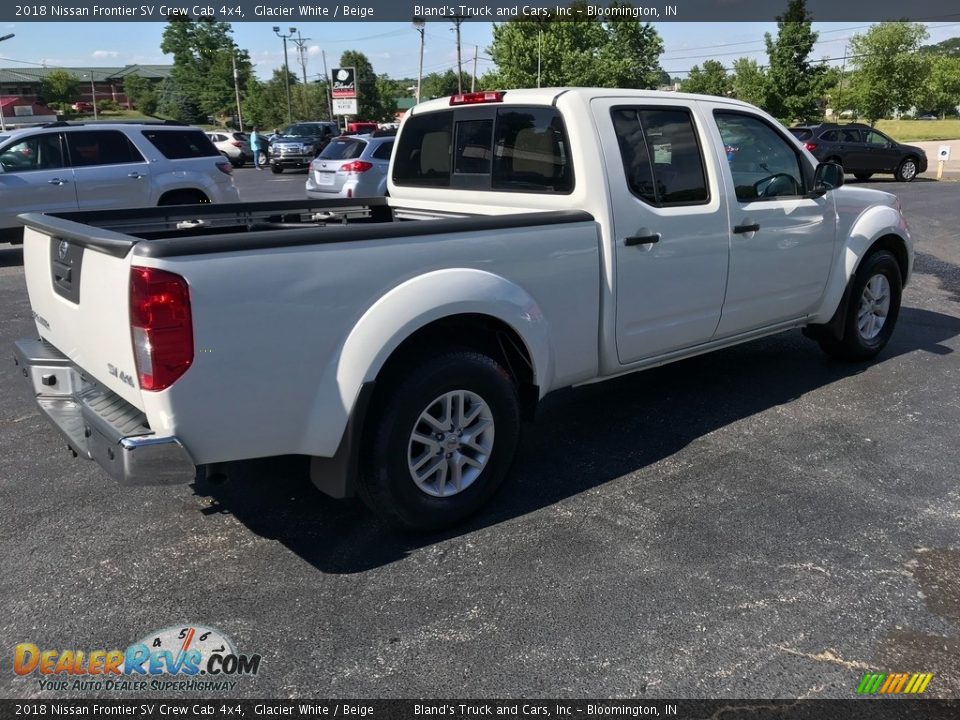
{"points": [[357, 166], [477, 98], [161, 326], [810, 146], [236, 143], [225, 167]]}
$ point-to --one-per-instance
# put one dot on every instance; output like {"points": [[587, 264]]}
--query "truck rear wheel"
{"points": [[440, 441], [872, 311]]}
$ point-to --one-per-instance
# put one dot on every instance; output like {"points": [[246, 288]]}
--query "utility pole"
{"points": [[418, 25], [539, 42], [843, 68], [457, 20], [236, 86], [301, 43], [473, 81], [326, 80]]}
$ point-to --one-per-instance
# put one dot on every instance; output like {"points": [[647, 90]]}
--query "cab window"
{"points": [[764, 165], [661, 155]]}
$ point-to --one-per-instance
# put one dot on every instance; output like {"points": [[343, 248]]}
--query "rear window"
{"points": [[801, 133], [181, 144], [423, 154], [343, 149], [514, 149]]}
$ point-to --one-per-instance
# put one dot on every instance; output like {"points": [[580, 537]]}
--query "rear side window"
{"points": [[383, 151], [828, 136], [343, 149], [181, 144], [531, 152], [802, 133], [101, 147], [661, 155], [423, 153]]}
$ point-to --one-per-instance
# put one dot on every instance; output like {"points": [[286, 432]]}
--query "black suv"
{"points": [[861, 150], [298, 144]]}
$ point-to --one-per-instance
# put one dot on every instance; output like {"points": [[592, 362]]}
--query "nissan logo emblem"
{"points": [[62, 249]]}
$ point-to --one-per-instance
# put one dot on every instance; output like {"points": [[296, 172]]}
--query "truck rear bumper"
{"points": [[99, 425]]}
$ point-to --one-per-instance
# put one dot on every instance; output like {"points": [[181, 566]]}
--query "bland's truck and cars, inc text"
{"points": [[532, 240]]}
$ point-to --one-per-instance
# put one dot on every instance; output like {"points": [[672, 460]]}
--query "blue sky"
{"points": [[391, 47]]}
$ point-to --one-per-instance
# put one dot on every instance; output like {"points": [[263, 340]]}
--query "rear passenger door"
{"points": [[110, 172], [670, 226]]}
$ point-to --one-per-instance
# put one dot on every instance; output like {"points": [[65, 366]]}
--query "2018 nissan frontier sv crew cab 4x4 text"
{"points": [[532, 240]]}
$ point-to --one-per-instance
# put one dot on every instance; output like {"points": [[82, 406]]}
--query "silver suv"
{"points": [[352, 166], [69, 166]]}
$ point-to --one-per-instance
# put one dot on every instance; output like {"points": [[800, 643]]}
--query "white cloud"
{"points": [[105, 53]]}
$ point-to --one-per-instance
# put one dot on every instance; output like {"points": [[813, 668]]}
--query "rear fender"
{"points": [[401, 312]]}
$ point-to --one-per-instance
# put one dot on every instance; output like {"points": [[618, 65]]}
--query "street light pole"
{"points": [[286, 69], [236, 86], [418, 24], [3, 124]]}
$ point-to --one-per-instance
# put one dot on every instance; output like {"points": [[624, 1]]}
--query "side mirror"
{"points": [[828, 176]]}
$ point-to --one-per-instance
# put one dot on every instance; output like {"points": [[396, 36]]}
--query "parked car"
{"points": [[69, 166], [235, 146], [351, 166], [82, 106], [862, 150], [299, 143], [533, 240], [362, 127]]}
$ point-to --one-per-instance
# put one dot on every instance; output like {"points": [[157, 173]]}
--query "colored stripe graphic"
{"points": [[894, 683]]}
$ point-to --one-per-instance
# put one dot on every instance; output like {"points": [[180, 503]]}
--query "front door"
{"points": [[783, 240], [35, 178], [670, 226]]}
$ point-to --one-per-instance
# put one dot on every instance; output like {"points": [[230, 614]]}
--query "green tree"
{"points": [[369, 102], [437, 85], [265, 104], [794, 85], [711, 80], [889, 72], [749, 81], [173, 102], [950, 46], [585, 51], [941, 92], [141, 92], [59, 86], [203, 54]]}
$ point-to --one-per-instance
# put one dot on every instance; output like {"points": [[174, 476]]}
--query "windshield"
{"points": [[303, 130]]}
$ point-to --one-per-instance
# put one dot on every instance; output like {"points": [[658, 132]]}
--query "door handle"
{"points": [[746, 228], [135, 175], [641, 239], [56, 181]]}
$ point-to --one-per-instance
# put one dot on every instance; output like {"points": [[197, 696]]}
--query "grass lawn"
{"points": [[918, 130]]}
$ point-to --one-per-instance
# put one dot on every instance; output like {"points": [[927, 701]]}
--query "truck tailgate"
{"points": [[79, 295]]}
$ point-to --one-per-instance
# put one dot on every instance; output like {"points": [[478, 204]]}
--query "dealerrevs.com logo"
{"points": [[191, 657]]}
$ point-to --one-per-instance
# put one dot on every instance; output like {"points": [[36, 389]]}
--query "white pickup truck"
{"points": [[532, 240]]}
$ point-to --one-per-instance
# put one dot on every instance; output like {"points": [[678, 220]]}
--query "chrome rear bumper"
{"points": [[97, 423]]}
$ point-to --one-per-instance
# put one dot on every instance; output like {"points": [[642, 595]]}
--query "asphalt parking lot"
{"points": [[758, 522]]}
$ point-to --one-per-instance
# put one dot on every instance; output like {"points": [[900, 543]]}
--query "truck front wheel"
{"points": [[872, 311], [441, 441]]}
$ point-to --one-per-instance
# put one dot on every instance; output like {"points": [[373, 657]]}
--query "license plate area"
{"points": [[326, 178]]}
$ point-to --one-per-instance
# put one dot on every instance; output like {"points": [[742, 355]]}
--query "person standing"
{"points": [[255, 146]]}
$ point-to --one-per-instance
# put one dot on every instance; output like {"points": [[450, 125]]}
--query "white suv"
{"points": [[69, 166]]}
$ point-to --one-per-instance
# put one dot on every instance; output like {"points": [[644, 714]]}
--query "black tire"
{"points": [[863, 176], [237, 163], [907, 171], [855, 345], [276, 169], [387, 484]]}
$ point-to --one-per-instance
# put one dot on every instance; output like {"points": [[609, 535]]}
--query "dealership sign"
{"points": [[344, 83], [345, 107]]}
